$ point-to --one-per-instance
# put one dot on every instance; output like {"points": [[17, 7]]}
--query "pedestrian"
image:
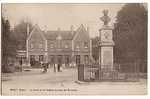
{"points": [[20, 62], [45, 67], [58, 67], [41, 63], [55, 66]]}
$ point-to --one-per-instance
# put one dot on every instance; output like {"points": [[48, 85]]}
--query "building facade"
{"points": [[64, 47]]}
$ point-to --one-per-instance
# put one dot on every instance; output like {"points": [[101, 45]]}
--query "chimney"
{"points": [[71, 29], [45, 28], [88, 31], [28, 29]]}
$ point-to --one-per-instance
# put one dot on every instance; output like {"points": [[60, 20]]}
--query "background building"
{"points": [[64, 47]]}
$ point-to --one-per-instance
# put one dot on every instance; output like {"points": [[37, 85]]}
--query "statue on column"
{"points": [[106, 43], [106, 19]]}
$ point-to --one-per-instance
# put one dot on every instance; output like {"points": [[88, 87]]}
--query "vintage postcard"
{"points": [[74, 49]]}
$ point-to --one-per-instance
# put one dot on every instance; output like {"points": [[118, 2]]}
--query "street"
{"points": [[34, 82]]}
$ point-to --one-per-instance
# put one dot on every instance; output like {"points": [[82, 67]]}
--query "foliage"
{"points": [[20, 33], [95, 49], [8, 47], [130, 33], [8, 43], [12, 40]]}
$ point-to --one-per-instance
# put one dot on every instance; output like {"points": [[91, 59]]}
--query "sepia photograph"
{"points": [[74, 49]]}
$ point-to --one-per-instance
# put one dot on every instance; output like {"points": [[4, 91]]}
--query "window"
{"points": [[77, 48], [52, 60], [31, 46], [40, 45], [77, 59], [32, 60], [59, 37], [51, 45], [41, 57], [59, 43], [36, 58], [85, 44], [66, 45], [67, 59], [86, 59]]}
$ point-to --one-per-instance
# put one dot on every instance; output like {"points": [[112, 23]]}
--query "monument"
{"points": [[106, 43]]}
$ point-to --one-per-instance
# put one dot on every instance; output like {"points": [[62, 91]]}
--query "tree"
{"points": [[20, 33], [130, 33], [8, 43], [5, 32], [95, 49]]}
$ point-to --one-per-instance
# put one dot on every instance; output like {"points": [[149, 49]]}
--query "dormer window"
{"points": [[59, 37], [40, 45]]}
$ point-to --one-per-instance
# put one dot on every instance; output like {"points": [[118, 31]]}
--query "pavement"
{"points": [[34, 82]]}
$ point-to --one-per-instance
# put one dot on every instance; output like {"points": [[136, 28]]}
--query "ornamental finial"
{"points": [[105, 18]]}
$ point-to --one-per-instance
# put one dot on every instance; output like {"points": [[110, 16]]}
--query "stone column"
{"points": [[106, 44]]}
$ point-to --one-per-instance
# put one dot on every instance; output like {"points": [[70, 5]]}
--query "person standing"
{"points": [[58, 67], [45, 67], [21, 64], [55, 67], [42, 65]]}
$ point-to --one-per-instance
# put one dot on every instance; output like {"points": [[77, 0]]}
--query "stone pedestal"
{"points": [[106, 48]]}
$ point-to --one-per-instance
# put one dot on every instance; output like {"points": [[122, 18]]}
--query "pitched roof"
{"points": [[82, 30], [36, 29], [66, 35]]}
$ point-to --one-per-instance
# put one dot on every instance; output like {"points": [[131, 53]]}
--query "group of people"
{"points": [[57, 67]]}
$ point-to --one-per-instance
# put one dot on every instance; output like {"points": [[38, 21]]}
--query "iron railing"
{"points": [[119, 72]]}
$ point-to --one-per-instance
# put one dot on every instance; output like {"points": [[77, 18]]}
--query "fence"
{"points": [[120, 72]]}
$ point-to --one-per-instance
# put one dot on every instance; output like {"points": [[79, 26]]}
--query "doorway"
{"points": [[59, 59], [77, 59], [32, 60]]}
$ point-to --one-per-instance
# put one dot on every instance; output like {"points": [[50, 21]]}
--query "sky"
{"points": [[53, 16]]}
